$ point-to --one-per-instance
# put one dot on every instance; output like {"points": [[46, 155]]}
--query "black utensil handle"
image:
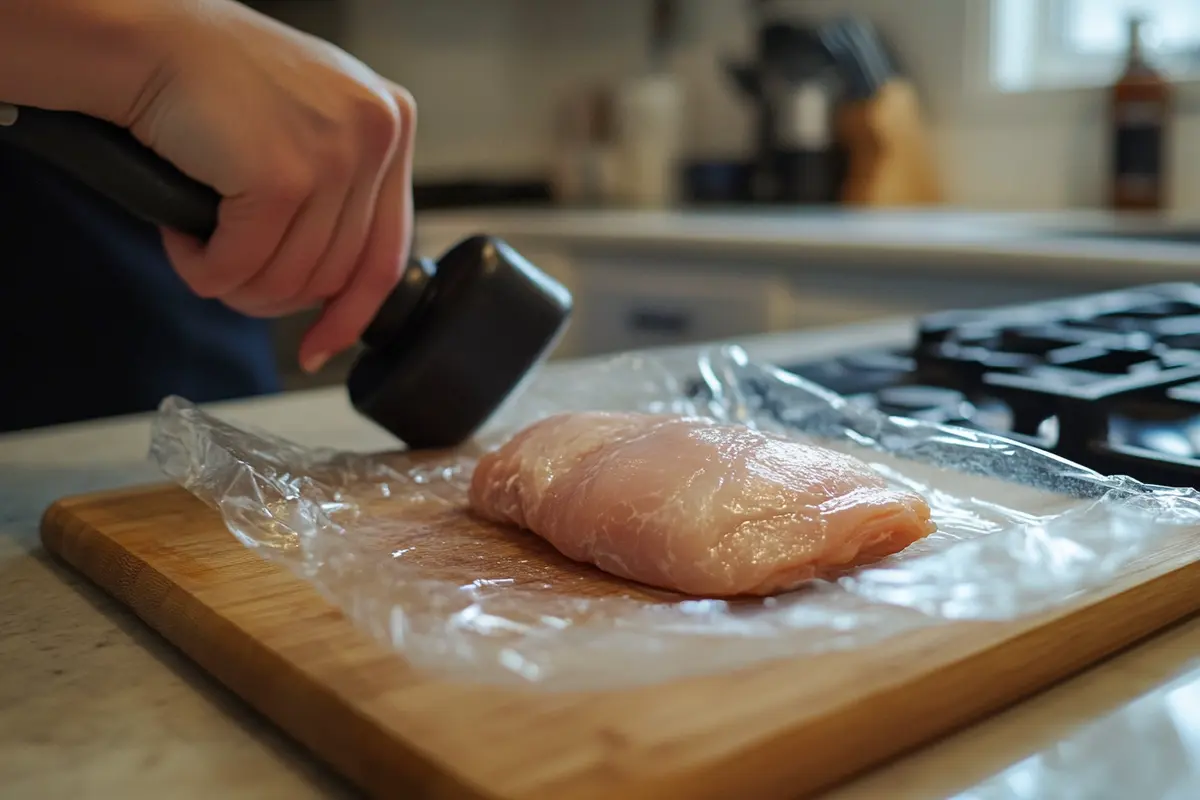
{"points": [[111, 161]]}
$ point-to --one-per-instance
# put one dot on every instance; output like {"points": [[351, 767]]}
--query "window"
{"points": [[1040, 44]]}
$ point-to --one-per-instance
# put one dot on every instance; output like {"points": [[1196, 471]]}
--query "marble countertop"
{"points": [[93, 703], [1065, 243]]}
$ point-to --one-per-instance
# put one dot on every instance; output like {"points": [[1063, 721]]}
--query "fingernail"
{"points": [[314, 363]]}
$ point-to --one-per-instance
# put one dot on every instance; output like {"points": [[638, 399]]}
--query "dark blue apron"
{"points": [[93, 320]]}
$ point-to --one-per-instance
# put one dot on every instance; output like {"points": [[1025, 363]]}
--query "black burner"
{"points": [[1110, 381]]}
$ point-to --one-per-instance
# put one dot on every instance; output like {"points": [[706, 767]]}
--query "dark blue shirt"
{"points": [[93, 320]]}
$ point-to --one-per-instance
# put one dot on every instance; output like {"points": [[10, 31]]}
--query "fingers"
{"points": [[380, 262], [277, 287], [249, 229], [319, 256], [346, 316], [337, 264]]}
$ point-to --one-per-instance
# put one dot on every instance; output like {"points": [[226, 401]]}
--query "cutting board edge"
{"points": [[61, 532]]}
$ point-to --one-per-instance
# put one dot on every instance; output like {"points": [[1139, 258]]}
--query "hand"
{"points": [[312, 153]]}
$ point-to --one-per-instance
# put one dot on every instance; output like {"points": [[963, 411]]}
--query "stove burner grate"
{"points": [[1110, 381]]}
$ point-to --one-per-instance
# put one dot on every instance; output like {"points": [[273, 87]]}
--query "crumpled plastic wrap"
{"points": [[387, 538]]}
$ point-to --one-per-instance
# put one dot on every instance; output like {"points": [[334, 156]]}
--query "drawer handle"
{"points": [[659, 321]]}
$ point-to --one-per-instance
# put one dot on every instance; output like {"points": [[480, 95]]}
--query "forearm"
{"points": [[93, 56]]}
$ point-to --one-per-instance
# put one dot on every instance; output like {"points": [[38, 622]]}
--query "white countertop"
{"points": [[1015, 243], [93, 703]]}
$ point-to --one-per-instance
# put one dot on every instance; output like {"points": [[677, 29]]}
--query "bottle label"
{"points": [[1138, 149]]}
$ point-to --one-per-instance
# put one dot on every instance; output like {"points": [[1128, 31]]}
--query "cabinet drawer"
{"points": [[624, 309]]}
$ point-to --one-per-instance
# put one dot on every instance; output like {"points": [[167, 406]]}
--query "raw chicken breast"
{"points": [[687, 504]]}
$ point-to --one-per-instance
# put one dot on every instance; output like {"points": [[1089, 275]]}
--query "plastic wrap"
{"points": [[385, 536]]}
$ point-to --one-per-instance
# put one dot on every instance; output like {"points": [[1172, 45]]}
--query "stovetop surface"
{"points": [[1110, 381]]}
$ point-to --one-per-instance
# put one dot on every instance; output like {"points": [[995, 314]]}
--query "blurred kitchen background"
{"points": [[705, 169]]}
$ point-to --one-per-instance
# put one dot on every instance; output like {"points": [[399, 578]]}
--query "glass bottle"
{"points": [[1139, 112]]}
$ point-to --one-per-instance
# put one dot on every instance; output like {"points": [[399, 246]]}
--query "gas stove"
{"points": [[1110, 381]]}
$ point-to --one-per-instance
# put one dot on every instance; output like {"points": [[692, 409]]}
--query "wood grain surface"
{"points": [[783, 729]]}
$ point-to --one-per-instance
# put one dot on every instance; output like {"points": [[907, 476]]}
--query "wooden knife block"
{"points": [[890, 162]]}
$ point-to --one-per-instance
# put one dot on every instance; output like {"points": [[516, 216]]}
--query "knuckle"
{"points": [[406, 105], [378, 123], [290, 186]]}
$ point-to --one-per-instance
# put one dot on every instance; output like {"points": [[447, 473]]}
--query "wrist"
{"points": [[97, 57]]}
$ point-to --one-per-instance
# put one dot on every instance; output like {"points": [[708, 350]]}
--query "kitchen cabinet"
{"points": [[664, 299], [625, 303], [630, 306]]}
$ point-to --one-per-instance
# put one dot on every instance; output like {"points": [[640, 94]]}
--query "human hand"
{"points": [[312, 153]]}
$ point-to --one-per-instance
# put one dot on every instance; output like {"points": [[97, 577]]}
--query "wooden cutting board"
{"points": [[776, 730]]}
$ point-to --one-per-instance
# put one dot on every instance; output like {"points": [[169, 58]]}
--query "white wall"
{"points": [[486, 74]]}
